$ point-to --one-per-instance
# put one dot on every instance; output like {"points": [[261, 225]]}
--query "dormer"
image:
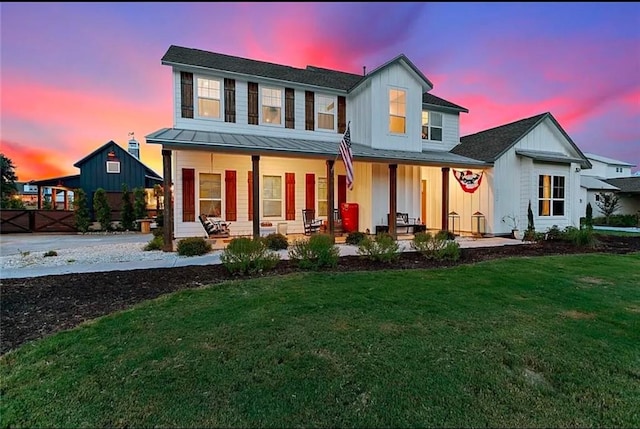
{"points": [[440, 123]]}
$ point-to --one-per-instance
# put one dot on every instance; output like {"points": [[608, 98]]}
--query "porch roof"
{"points": [[591, 182], [175, 138], [557, 157]]}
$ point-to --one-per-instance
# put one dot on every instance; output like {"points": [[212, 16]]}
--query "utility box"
{"points": [[349, 214]]}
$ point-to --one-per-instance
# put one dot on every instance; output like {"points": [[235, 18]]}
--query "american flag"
{"points": [[347, 156]]}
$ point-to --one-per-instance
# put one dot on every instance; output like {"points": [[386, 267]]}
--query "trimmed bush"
{"points": [[156, 243], [382, 248], [355, 238], [276, 241], [435, 246], [50, 253], [579, 237], [193, 246], [316, 253], [445, 235], [244, 255]]}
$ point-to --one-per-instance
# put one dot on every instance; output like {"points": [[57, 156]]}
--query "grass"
{"points": [[522, 342]]}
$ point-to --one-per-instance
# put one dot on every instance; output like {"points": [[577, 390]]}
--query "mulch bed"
{"points": [[39, 306]]}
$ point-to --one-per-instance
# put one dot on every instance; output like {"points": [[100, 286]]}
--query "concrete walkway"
{"points": [[18, 243]]}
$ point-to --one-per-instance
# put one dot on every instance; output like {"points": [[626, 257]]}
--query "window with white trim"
{"points": [[397, 111], [208, 98], [322, 196], [272, 196], [271, 106], [113, 167], [326, 112], [210, 194], [551, 194], [432, 126]]}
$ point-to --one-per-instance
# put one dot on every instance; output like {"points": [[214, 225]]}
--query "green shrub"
{"points": [[355, 237], [127, 218], [579, 237], [102, 209], [51, 253], [618, 220], [244, 255], [193, 246], [554, 233], [81, 211], [157, 232], [156, 243], [445, 235], [276, 241], [317, 252], [435, 247], [382, 248]]}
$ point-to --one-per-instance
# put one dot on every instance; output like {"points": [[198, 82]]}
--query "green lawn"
{"points": [[522, 342]]}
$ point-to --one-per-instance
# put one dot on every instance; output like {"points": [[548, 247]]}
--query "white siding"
{"points": [[450, 133]]}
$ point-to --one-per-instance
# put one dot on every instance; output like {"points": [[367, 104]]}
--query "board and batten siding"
{"points": [[450, 132], [206, 162]]}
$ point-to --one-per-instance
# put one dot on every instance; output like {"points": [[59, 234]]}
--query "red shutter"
{"points": [[290, 196], [230, 195], [289, 108], [188, 195], [250, 182], [309, 115], [252, 103], [186, 94], [310, 192], [229, 100], [342, 114]]}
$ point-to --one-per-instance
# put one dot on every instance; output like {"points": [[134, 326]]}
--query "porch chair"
{"points": [[309, 221]]}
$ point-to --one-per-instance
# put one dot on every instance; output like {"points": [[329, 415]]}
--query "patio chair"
{"points": [[309, 221]]}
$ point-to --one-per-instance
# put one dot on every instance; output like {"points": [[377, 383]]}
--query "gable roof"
{"points": [[148, 172], [404, 61], [626, 184], [609, 161], [489, 145]]}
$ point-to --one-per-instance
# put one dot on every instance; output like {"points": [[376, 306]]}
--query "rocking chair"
{"points": [[214, 228], [310, 223]]}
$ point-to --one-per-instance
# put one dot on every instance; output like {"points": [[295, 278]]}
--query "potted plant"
{"points": [[513, 221]]}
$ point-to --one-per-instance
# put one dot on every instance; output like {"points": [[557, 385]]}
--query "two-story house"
{"points": [[254, 141], [611, 175]]}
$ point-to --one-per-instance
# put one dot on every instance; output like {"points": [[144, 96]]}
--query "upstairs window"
{"points": [[432, 126], [208, 98], [326, 108], [397, 111], [272, 106], [551, 195]]}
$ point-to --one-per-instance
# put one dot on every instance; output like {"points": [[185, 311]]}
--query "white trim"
{"points": [[115, 164]]}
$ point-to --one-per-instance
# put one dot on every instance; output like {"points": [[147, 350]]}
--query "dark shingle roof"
{"points": [[626, 184], [315, 76], [489, 144], [437, 101]]}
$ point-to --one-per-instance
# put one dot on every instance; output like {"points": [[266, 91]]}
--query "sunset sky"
{"points": [[76, 75]]}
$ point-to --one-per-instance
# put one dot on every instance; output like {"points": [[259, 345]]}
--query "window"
{"points": [[322, 196], [397, 111], [432, 126], [113, 166], [272, 196], [208, 98], [211, 194], [550, 195], [326, 108], [271, 106]]}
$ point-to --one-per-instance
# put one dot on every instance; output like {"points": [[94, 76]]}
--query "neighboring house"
{"points": [[256, 142], [611, 175], [28, 194], [108, 167]]}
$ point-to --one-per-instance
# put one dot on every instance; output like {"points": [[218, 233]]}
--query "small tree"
{"points": [[158, 192], [102, 209], [139, 203], [8, 186], [127, 217], [46, 204], [530, 226], [81, 211], [588, 221], [608, 203]]}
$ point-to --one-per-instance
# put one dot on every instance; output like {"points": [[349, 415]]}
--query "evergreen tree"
{"points": [[81, 211], [8, 186], [588, 221], [530, 226], [102, 209], [46, 204], [140, 203], [127, 216]]}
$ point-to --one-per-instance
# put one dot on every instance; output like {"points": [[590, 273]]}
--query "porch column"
{"points": [[445, 198], [255, 161], [393, 197], [66, 200], [54, 198], [168, 202], [330, 199]]}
